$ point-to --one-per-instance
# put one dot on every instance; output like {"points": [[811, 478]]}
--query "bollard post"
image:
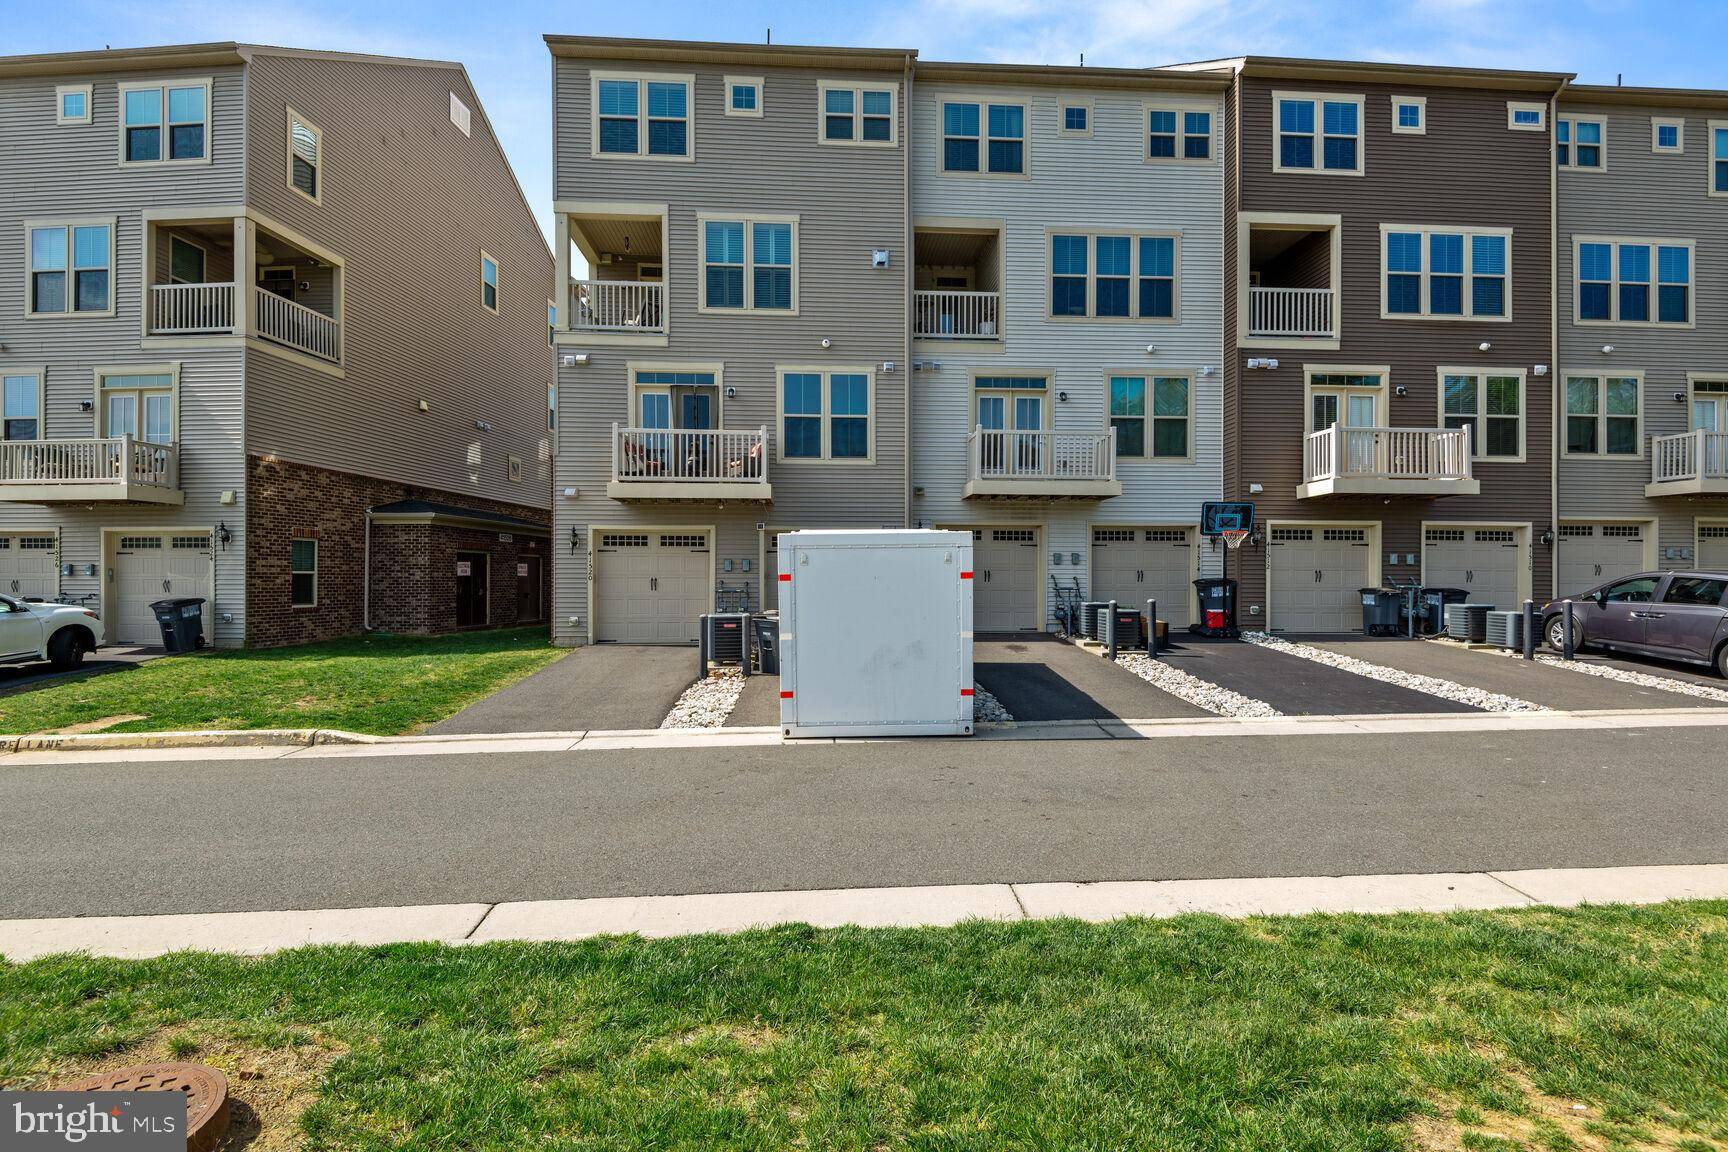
{"points": [[1568, 648], [1112, 629], [701, 647], [745, 641], [1152, 629], [1529, 629]]}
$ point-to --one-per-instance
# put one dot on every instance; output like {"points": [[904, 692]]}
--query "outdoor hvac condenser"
{"points": [[876, 633]]}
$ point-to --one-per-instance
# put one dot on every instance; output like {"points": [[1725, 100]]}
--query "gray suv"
{"points": [[1673, 615]]}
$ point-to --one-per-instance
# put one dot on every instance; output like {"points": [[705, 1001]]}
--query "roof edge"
{"points": [[1646, 97], [720, 52], [187, 56], [1371, 72], [1194, 80]]}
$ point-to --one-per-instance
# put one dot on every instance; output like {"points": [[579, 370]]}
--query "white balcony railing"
{"points": [[1290, 312], [1072, 456], [120, 461], [296, 326], [679, 456], [948, 315], [617, 306], [191, 308], [1394, 454], [1695, 455]]}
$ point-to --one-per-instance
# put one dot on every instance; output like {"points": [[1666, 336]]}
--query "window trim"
{"points": [[747, 219], [1062, 106], [39, 372], [293, 572], [61, 91], [757, 82], [1678, 123], [1653, 243], [317, 169], [1179, 107], [1046, 411], [634, 369], [983, 103], [497, 296], [1601, 379], [1468, 275], [1150, 375], [170, 369], [642, 80], [68, 223], [825, 371], [1574, 119], [1319, 135], [858, 89], [1513, 107], [206, 82], [1134, 237], [1711, 127], [1383, 390], [1481, 373], [1421, 129]]}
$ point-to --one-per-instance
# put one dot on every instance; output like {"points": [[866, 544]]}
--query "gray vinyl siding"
{"points": [[1643, 194], [849, 201], [408, 203], [72, 170], [1096, 183]]}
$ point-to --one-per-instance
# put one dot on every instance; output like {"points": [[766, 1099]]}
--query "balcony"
{"points": [[1290, 312], [1289, 269], [957, 283], [116, 470], [689, 464], [282, 321], [1412, 462], [952, 315], [191, 309], [1690, 464], [1003, 465], [616, 260], [619, 306]]}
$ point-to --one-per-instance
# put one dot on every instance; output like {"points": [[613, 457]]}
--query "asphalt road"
{"points": [[121, 838]]}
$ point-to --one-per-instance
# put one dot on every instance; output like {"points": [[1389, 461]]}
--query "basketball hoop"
{"points": [[1233, 537]]}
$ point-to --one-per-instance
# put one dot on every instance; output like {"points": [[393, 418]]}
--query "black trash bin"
{"points": [[1380, 615], [1217, 608], [767, 629], [182, 621], [1434, 601]]}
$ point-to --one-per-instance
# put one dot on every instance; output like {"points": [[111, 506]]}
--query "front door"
{"points": [[1015, 448], [529, 607], [471, 589], [1710, 414], [1352, 410]]}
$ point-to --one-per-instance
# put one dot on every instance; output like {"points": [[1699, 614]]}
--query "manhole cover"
{"points": [[206, 1092]]}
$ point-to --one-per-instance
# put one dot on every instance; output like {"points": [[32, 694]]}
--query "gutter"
{"points": [[1555, 394], [366, 576], [907, 280]]}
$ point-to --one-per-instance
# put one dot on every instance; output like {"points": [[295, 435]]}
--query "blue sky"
{"points": [[1671, 44]]}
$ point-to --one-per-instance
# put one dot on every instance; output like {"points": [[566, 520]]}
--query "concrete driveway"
{"points": [[602, 686]]}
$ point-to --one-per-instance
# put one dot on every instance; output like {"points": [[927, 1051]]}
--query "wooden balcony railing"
{"points": [[177, 309], [949, 315], [282, 321], [1290, 312], [626, 306]]}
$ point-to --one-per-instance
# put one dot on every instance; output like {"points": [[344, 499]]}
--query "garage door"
{"points": [[1005, 579], [1134, 565], [1592, 554], [1482, 560], [27, 566], [1317, 577], [1713, 547], [155, 566], [650, 586]]}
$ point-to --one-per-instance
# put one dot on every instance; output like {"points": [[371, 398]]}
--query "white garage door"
{"points": [[1483, 561], [1134, 565], [156, 566], [1713, 547], [1317, 575], [27, 566], [1592, 554], [1004, 579], [650, 586]]}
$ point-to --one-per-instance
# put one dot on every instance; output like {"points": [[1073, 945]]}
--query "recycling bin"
{"points": [[182, 623]]}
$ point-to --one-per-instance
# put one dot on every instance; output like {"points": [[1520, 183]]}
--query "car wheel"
{"points": [[1722, 661], [1557, 633], [65, 650]]}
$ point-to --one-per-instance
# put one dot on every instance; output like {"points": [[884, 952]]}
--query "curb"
{"points": [[242, 738]]}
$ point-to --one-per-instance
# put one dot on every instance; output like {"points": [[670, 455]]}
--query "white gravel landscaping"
{"points": [[986, 709], [1627, 676], [1198, 692], [1432, 685], [707, 703]]}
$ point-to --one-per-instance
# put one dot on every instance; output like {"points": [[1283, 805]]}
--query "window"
{"points": [[1075, 118], [1719, 157], [551, 325], [1694, 590], [137, 404], [1490, 404], [71, 268], [1667, 134], [303, 573], [305, 157], [1315, 132], [186, 261], [1525, 116], [1614, 282], [1638, 590], [1175, 134], [1353, 397], [1410, 115], [1602, 416], [766, 247], [21, 407], [165, 123], [1580, 142], [488, 283], [642, 116], [72, 104], [851, 114], [825, 414], [1446, 273], [1113, 276], [1169, 416], [1002, 147], [744, 96]]}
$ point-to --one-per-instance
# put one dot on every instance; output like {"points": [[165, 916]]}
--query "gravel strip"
{"points": [[986, 708], [1626, 676], [1198, 692], [1432, 685], [707, 703]]}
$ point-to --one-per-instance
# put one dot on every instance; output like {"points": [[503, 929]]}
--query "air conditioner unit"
{"points": [[726, 634], [1468, 622], [1091, 611], [1505, 629]]}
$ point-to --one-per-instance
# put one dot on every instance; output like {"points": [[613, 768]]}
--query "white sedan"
{"points": [[33, 630]]}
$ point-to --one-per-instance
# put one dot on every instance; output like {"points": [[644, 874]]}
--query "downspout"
{"points": [[366, 576], [907, 281], [1554, 389]]}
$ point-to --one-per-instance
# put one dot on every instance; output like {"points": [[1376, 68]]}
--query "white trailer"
{"points": [[876, 633]]}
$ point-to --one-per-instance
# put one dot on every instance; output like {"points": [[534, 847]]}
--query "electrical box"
{"points": [[876, 633]]}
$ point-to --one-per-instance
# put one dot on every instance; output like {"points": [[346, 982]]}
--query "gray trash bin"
{"points": [[1380, 611], [767, 629], [182, 623]]}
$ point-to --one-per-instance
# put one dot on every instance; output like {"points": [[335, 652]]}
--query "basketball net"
{"points": [[1233, 537]]}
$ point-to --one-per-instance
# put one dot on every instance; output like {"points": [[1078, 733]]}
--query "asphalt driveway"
{"points": [[601, 686], [1038, 677], [38, 673], [1294, 686]]}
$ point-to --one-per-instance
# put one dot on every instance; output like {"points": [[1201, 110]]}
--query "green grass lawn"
{"points": [[1595, 1029], [384, 685]]}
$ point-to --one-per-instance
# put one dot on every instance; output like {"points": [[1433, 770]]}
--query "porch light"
{"points": [[223, 535], [1484, 346]]}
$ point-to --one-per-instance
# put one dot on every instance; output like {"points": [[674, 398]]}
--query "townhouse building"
{"points": [[1067, 326], [272, 334], [1389, 367], [1643, 225]]}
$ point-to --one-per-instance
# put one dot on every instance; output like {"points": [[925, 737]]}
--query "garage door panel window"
{"points": [[1491, 406], [826, 415], [303, 573], [1603, 416]]}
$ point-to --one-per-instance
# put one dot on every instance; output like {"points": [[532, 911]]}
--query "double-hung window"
{"points": [[1177, 134], [825, 414], [1113, 276], [1316, 133], [642, 116], [303, 573], [856, 114], [1580, 142], [1634, 282], [992, 133], [1154, 427], [1490, 404], [1446, 273], [71, 268], [305, 157], [750, 264], [1602, 415], [165, 123], [488, 283], [1719, 157], [21, 407]]}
